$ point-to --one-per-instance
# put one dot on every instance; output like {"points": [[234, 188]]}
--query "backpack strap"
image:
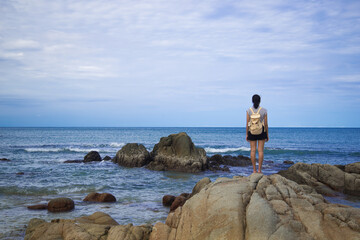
{"points": [[259, 110], [252, 111]]}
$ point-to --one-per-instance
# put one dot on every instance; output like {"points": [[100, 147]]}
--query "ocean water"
{"points": [[40, 152]]}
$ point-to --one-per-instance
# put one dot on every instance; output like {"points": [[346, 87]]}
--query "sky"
{"points": [[188, 63]]}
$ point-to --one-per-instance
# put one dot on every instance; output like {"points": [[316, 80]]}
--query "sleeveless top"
{"points": [[263, 112]]}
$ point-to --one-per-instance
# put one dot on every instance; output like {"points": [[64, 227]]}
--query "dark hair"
{"points": [[256, 100]]}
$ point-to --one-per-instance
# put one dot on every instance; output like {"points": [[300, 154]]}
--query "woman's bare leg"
{"points": [[261, 153], [253, 154]]}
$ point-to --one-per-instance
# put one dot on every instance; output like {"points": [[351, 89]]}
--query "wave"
{"points": [[70, 149], [226, 150], [41, 191], [116, 145]]}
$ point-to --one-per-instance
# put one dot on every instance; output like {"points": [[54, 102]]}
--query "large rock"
{"points": [[325, 178], [60, 205], [132, 155], [99, 197], [258, 207], [177, 152], [92, 156], [95, 226]]}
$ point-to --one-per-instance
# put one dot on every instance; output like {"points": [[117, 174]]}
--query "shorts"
{"points": [[261, 136]]}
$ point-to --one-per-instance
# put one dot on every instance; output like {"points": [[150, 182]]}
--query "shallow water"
{"points": [[40, 152]]}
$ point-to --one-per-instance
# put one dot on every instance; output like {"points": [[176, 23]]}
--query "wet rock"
{"points": [[107, 158], [20, 173], [288, 162], [177, 152], [218, 162], [61, 205], [74, 161], [132, 155], [179, 201], [92, 156], [100, 197], [38, 207], [4, 160], [168, 200]]}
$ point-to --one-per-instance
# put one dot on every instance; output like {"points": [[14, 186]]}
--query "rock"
{"points": [[259, 207], [168, 200], [129, 232], [60, 205], [132, 155], [99, 197], [200, 185], [179, 201], [74, 161], [325, 178], [4, 160], [218, 162], [92, 156], [95, 226], [185, 195], [177, 152], [107, 158], [288, 162], [38, 207], [20, 173]]}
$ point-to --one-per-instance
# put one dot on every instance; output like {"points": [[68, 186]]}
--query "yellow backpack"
{"points": [[255, 125]]}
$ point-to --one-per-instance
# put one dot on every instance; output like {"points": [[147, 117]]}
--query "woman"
{"points": [[257, 138]]}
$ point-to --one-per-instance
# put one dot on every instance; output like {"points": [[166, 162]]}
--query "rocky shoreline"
{"points": [[253, 207]]}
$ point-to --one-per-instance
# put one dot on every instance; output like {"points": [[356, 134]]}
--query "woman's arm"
{"points": [[266, 128], [247, 125]]}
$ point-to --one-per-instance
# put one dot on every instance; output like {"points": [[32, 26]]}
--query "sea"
{"points": [[36, 172]]}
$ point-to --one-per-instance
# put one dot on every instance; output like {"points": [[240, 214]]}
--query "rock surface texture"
{"points": [[177, 152], [132, 155], [60, 205], [258, 207], [325, 178]]}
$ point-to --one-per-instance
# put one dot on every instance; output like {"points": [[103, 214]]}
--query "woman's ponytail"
{"points": [[256, 100]]}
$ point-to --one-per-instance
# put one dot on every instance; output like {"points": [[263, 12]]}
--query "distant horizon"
{"points": [[169, 127]]}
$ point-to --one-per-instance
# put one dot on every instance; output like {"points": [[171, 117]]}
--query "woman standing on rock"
{"points": [[257, 131]]}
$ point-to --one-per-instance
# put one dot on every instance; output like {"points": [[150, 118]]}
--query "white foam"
{"points": [[116, 145], [226, 150], [78, 190]]}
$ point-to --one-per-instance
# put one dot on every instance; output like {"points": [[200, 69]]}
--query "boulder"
{"points": [[61, 205], [99, 197], [179, 201], [326, 179], [177, 152], [38, 207], [288, 162], [132, 155], [259, 207], [95, 226], [218, 162], [4, 160], [107, 158], [92, 156], [168, 200]]}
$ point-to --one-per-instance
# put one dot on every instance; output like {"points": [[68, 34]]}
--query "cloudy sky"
{"points": [[179, 63]]}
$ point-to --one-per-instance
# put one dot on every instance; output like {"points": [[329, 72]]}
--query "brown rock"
{"points": [[100, 197], [4, 160], [185, 195], [168, 200], [288, 162], [20, 173], [61, 205], [38, 207], [129, 232], [353, 168], [200, 185], [74, 161], [179, 201]]}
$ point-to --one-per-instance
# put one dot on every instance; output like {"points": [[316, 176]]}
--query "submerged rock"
{"points": [[92, 156], [325, 178], [132, 155], [177, 152], [4, 160], [258, 207], [218, 162], [61, 205], [74, 161], [99, 197]]}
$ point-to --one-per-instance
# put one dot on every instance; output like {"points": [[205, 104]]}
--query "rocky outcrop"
{"points": [[325, 178], [258, 207], [99, 197], [98, 226], [132, 155], [177, 152], [107, 158], [60, 205], [92, 156], [218, 162]]}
